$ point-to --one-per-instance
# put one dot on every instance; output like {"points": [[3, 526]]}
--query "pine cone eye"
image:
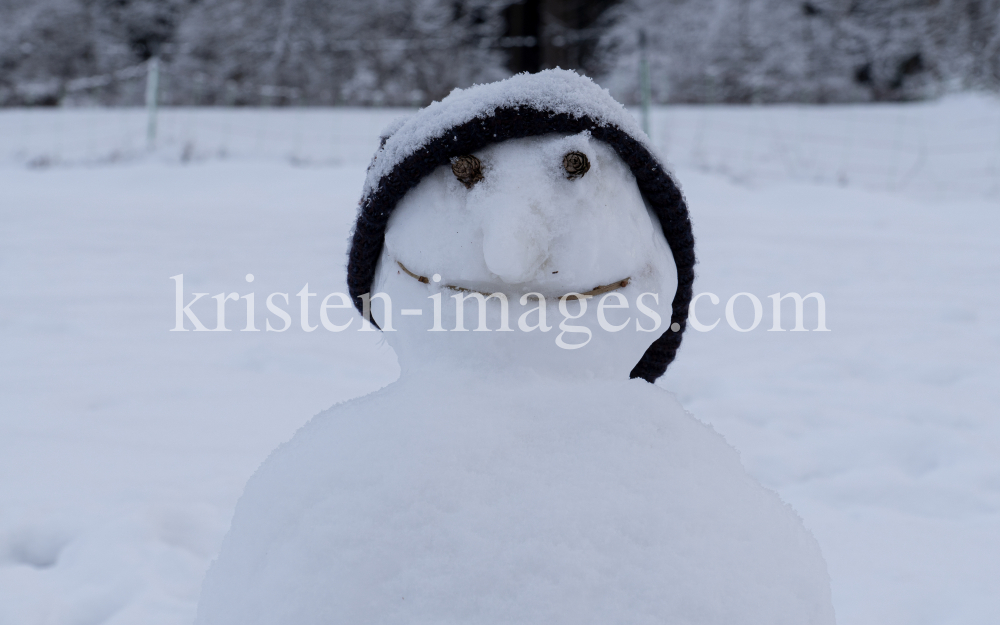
{"points": [[576, 165], [467, 169]]}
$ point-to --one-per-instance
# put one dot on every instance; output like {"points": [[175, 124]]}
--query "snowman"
{"points": [[530, 262]]}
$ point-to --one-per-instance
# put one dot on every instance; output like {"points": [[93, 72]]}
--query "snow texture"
{"points": [[476, 497], [124, 447], [556, 90]]}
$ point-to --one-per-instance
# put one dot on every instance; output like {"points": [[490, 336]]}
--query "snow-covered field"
{"points": [[123, 446], [938, 149]]}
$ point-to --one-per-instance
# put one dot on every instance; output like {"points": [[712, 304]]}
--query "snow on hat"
{"points": [[467, 120]]}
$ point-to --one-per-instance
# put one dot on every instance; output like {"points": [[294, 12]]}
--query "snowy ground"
{"points": [[123, 447]]}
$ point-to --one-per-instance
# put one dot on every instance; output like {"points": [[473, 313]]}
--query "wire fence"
{"points": [[949, 148]]}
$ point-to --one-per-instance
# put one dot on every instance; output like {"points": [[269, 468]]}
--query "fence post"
{"points": [[152, 89], [644, 88]]}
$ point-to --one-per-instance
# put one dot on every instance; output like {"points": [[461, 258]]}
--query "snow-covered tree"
{"points": [[336, 51], [47, 44], [42, 45], [413, 51], [812, 51]]}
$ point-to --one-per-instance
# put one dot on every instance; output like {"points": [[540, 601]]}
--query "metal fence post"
{"points": [[644, 90], [152, 89]]}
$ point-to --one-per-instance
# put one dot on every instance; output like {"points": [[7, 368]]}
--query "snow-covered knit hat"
{"points": [[552, 101]]}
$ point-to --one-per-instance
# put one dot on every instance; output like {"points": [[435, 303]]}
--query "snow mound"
{"points": [[515, 500], [555, 90]]}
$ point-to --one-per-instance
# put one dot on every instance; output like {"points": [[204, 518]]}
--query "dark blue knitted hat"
{"points": [[553, 101]]}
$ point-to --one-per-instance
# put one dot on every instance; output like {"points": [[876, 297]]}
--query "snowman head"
{"points": [[529, 203]]}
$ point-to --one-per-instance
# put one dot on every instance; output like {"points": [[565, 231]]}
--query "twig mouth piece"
{"points": [[423, 279], [598, 290]]}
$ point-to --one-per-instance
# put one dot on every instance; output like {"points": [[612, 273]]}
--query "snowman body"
{"points": [[451, 497], [507, 476]]}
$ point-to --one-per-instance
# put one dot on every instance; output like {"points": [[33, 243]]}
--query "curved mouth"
{"points": [[597, 290]]}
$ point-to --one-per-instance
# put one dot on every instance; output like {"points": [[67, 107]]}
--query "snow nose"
{"points": [[516, 238]]}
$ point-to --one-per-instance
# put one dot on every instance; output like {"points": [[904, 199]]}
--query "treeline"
{"points": [[811, 51], [405, 52]]}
